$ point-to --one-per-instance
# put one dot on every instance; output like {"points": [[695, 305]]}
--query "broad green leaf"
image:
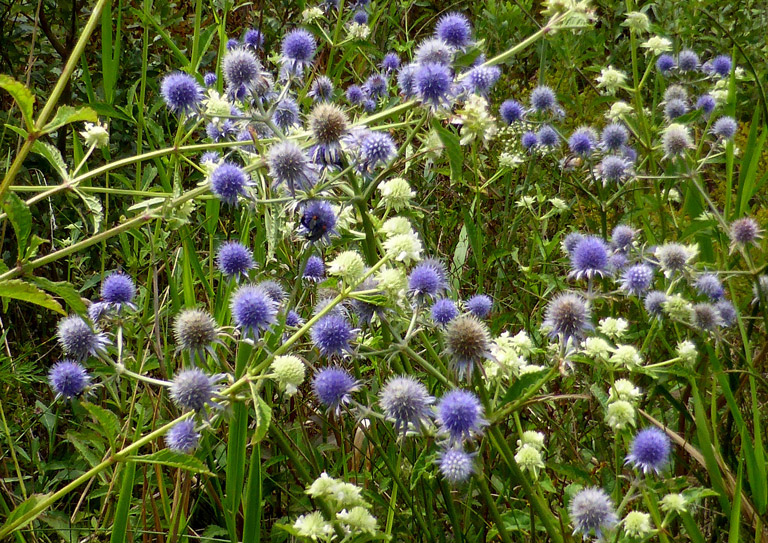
{"points": [[106, 419], [20, 516], [53, 156], [95, 210], [20, 290], [63, 290], [452, 149], [120, 521], [21, 220], [23, 96], [263, 419], [68, 114], [167, 457]]}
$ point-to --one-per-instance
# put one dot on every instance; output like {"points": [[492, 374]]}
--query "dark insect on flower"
{"points": [[480, 305], [456, 465], [591, 509], [314, 269], [182, 437], [444, 311], [68, 378], [181, 92], [406, 402], [468, 343], [454, 29], [79, 340], [193, 389], [650, 450], [333, 386], [318, 220], [460, 415], [117, 289], [511, 111]]}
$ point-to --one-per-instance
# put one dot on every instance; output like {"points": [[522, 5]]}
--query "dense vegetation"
{"points": [[351, 271]]}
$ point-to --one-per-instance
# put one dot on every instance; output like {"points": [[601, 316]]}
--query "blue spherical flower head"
{"points": [[318, 220], [355, 95], [117, 289], [321, 89], [543, 99], [390, 62], [79, 340], [293, 319], [181, 92], [454, 29], [253, 310], [615, 169], [650, 450], [314, 270], [706, 103], [583, 141], [286, 113], [427, 279], [235, 259], [568, 316], [274, 290], [709, 285], [298, 49], [614, 136], [289, 165], [744, 232], [434, 50], [376, 148], [725, 127], [240, 67], [333, 386], [687, 60], [617, 262], [360, 17], [460, 415], [547, 136], [376, 86], [592, 510], [456, 465], [332, 335], [511, 111], [232, 43], [589, 258], [665, 64], [406, 402], [228, 181], [653, 303], [706, 317], [721, 65], [209, 79], [637, 279], [253, 38], [480, 305], [675, 108], [432, 83], [622, 237], [528, 140], [182, 437], [468, 343], [482, 78], [727, 312], [406, 80], [444, 311], [571, 241], [68, 379], [193, 389]]}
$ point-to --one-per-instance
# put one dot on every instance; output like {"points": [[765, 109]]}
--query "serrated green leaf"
{"points": [[17, 289], [106, 419], [21, 221], [23, 97], [68, 114], [63, 290], [167, 457], [53, 156], [95, 209], [263, 419]]}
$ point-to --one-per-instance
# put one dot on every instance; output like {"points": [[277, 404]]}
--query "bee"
{"points": [[570, 162], [313, 227]]}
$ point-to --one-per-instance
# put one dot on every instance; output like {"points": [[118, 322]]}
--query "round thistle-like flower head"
{"points": [[480, 305], [460, 415], [406, 79], [709, 285], [293, 319], [406, 402], [328, 123], [706, 317], [432, 83], [298, 49], [390, 62], [235, 259], [482, 78], [528, 140], [665, 63], [68, 378], [650, 450], [543, 99], [454, 29], [118, 289], [511, 111], [318, 220], [332, 335], [622, 237], [181, 92], [725, 127], [654, 301], [744, 231], [433, 50], [676, 139], [568, 316], [615, 168], [721, 65], [314, 269], [232, 43], [727, 312], [427, 279], [571, 241], [468, 342], [192, 389], [547, 136], [583, 141], [253, 38], [195, 331], [228, 181], [614, 136], [360, 17], [687, 60], [456, 465], [288, 164], [209, 79], [675, 108], [376, 86], [288, 371], [321, 89], [637, 524], [240, 67], [396, 193], [78, 339], [673, 257], [286, 113], [637, 279], [355, 95], [274, 290], [591, 509], [444, 311], [589, 258], [253, 310], [348, 265], [333, 386], [376, 148], [706, 103], [182, 437]]}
